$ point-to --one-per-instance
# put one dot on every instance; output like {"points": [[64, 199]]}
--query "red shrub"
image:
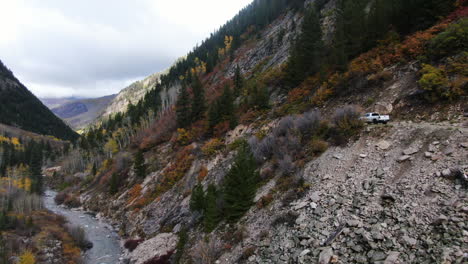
{"points": [[159, 132], [132, 244], [164, 259]]}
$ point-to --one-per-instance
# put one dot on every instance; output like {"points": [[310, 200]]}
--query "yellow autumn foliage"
{"points": [[27, 258]]}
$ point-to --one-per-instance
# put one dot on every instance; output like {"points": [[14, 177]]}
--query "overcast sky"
{"points": [[96, 47]]}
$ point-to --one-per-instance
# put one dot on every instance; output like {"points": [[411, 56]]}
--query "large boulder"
{"points": [[154, 247]]}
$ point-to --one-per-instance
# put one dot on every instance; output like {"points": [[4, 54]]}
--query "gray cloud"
{"points": [[94, 48]]}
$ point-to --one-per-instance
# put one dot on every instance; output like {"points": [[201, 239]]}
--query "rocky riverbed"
{"points": [[106, 242]]}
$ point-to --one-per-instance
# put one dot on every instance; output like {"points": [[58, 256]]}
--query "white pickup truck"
{"points": [[375, 118]]}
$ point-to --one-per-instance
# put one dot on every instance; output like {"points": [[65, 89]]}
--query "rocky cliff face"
{"points": [[131, 94]]}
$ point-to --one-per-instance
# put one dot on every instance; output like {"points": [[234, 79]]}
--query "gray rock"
{"points": [[326, 255], [410, 151], [313, 205], [404, 158], [428, 154], [409, 241], [304, 252], [383, 145], [157, 246], [392, 257], [378, 255], [464, 145], [315, 197], [448, 151], [446, 173], [300, 205], [353, 223], [338, 156]]}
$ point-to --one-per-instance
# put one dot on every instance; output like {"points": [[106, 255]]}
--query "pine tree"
{"points": [[260, 97], [339, 59], [36, 171], [139, 164], [212, 215], [114, 184], [227, 107], [198, 103], [355, 25], [214, 115], [183, 108], [223, 110], [307, 52], [197, 200], [3, 250], [94, 169], [238, 81], [240, 185]]}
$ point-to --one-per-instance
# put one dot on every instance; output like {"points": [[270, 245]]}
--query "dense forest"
{"points": [[20, 108]]}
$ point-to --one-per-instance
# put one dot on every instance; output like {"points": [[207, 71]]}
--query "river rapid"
{"points": [[106, 242]]}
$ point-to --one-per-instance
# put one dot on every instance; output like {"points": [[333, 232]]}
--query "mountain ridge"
{"points": [[19, 107]]}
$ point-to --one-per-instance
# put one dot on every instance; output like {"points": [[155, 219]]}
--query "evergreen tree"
{"points": [[227, 107], [94, 169], [183, 108], [114, 184], [198, 103], [197, 200], [139, 164], [238, 81], [223, 110], [214, 115], [240, 185], [3, 251], [307, 52], [355, 25], [338, 59], [212, 215], [36, 171], [260, 97]]}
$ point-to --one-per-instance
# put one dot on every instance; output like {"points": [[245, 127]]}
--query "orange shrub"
{"points": [[184, 137], [202, 174], [134, 193], [176, 171], [221, 129], [298, 94], [212, 146], [321, 96]]}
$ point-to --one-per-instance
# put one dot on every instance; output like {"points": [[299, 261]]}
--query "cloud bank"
{"points": [[93, 48]]}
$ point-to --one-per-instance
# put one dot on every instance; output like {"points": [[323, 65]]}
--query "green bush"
{"points": [[453, 40], [436, 84]]}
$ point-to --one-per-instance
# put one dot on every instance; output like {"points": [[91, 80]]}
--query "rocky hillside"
{"points": [[20, 108], [261, 157], [131, 94], [79, 113]]}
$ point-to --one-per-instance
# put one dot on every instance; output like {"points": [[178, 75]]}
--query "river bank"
{"points": [[106, 242]]}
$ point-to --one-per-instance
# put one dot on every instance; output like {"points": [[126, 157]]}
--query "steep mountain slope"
{"points": [[79, 113], [279, 168], [131, 94], [20, 108]]}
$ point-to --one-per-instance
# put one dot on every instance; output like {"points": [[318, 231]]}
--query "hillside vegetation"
{"points": [[251, 150], [20, 108]]}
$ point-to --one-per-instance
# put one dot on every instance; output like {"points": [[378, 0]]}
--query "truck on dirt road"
{"points": [[375, 118]]}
